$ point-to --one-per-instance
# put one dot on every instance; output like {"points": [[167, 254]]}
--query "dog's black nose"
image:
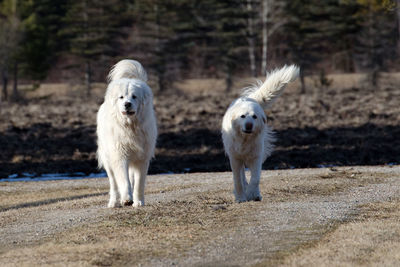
{"points": [[248, 126], [128, 105]]}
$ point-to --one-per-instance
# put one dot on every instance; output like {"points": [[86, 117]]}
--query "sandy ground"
{"points": [[308, 217]]}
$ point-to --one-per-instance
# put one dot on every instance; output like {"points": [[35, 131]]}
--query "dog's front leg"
{"points": [[253, 189], [112, 203], [124, 185], [140, 172], [243, 179], [132, 178], [237, 170]]}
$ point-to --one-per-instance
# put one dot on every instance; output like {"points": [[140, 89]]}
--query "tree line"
{"points": [[178, 39]]}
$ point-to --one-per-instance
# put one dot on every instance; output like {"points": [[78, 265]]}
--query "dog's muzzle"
{"points": [[128, 112], [248, 128]]}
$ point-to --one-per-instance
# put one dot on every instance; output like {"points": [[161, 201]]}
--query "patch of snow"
{"points": [[30, 177]]}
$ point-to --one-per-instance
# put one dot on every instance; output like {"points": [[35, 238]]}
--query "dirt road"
{"points": [[309, 217]]}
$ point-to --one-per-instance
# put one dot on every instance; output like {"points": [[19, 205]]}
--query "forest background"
{"points": [[77, 41]]}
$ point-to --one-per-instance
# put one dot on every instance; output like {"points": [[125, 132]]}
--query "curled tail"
{"points": [[127, 68], [266, 93]]}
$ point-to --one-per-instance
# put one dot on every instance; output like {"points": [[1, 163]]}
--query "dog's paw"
{"points": [[138, 203], [241, 198], [253, 195], [113, 204], [127, 202]]}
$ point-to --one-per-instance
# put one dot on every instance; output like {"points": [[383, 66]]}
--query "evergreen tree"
{"points": [[41, 44], [212, 30], [92, 29], [376, 41], [222, 25], [316, 28], [155, 18]]}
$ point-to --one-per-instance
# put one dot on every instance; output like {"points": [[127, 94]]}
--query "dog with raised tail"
{"points": [[127, 133], [248, 140]]}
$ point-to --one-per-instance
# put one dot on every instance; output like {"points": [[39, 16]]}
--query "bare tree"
{"points": [[4, 56], [251, 37], [398, 24], [10, 35], [264, 19], [271, 20]]}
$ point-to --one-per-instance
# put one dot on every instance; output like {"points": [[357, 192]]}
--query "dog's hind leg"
{"points": [[112, 203], [238, 170], [132, 178], [140, 173], [253, 189], [124, 186]]}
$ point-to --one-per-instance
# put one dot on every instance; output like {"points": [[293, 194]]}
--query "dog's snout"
{"points": [[128, 105], [248, 126]]}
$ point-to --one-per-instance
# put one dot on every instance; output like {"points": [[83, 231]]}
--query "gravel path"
{"points": [[299, 207]]}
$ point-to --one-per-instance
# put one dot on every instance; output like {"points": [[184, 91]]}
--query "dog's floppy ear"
{"points": [[146, 96], [111, 92]]}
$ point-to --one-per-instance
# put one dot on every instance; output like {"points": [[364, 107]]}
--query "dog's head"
{"points": [[248, 117], [128, 97]]}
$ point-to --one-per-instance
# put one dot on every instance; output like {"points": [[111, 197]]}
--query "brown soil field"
{"points": [[343, 216], [52, 130]]}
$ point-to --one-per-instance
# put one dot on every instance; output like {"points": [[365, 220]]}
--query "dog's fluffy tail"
{"points": [[266, 93], [127, 68]]}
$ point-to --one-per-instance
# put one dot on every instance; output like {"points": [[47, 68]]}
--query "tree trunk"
{"points": [[88, 78], [160, 69], [303, 83], [398, 25], [4, 95], [375, 66], [228, 78], [264, 20], [250, 38], [15, 94]]}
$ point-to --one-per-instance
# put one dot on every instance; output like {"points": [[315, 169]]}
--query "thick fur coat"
{"points": [[247, 139], [127, 132]]}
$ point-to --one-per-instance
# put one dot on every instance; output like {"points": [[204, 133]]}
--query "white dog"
{"points": [[127, 132], [246, 137]]}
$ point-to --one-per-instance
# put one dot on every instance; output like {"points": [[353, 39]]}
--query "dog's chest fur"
{"points": [[247, 147], [132, 140]]}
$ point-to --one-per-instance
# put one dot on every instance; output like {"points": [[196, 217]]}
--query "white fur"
{"points": [[127, 132], [247, 138]]}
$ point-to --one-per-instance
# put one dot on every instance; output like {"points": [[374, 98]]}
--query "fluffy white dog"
{"points": [[247, 138], [127, 133]]}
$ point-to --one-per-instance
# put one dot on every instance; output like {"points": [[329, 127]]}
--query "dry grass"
{"points": [[370, 239], [29, 195], [130, 236], [210, 85], [57, 90], [343, 80]]}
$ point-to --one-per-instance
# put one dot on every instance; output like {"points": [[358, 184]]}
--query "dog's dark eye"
{"points": [[121, 97], [254, 117], [133, 97], [243, 116]]}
